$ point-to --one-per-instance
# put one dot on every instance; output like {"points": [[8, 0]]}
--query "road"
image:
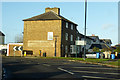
{"points": [[38, 68]]}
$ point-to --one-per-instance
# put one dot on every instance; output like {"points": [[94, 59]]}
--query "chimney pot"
{"points": [[93, 34]]}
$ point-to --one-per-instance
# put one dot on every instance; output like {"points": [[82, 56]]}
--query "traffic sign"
{"points": [[80, 42], [18, 48]]}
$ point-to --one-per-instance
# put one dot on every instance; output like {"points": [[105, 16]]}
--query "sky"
{"points": [[102, 17]]}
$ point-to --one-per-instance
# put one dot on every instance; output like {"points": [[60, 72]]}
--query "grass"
{"points": [[87, 60]]}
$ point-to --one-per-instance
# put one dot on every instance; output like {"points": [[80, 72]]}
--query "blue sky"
{"points": [[102, 17]]}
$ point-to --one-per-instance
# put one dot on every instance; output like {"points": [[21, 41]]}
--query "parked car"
{"points": [[3, 52]]}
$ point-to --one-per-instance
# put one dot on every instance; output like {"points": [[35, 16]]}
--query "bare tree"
{"points": [[19, 38]]}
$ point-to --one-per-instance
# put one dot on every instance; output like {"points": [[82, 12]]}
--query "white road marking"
{"points": [[99, 77], [97, 72], [96, 68], [65, 71], [46, 65]]}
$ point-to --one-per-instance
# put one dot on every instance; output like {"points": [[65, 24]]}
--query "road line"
{"points": [[96, 68], [65, 71], [97, 72], [100, 77], [46, 65]]}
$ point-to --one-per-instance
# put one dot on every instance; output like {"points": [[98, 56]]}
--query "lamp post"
{"points": [[85, 27]]}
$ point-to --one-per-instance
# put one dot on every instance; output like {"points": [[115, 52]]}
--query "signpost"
{"points": [[78, 43]]}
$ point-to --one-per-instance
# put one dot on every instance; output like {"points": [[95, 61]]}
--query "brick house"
{"points": [[49, 33]]}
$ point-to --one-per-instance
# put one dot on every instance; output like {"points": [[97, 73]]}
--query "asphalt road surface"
{"points": [[36, 69]]}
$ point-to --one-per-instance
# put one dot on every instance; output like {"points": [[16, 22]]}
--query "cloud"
{"points": [[107, 26]]}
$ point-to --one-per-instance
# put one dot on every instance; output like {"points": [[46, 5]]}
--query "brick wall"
{"points": [[36, 34]]}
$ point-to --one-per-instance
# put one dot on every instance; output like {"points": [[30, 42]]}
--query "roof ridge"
{"points": [[55, 14], [42, 15]]}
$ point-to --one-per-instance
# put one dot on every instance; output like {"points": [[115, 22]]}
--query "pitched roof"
{"points": [[48, 16], [1, 34], [106, 41], [82, 36], [100, 46]]}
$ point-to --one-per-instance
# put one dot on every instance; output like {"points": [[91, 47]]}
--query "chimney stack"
{"points": [[55, 9], [93, 34]]}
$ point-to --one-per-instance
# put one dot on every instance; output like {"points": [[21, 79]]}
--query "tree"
{"points": [[102, 50], [19, 38], [95, 49], [117, 49]]}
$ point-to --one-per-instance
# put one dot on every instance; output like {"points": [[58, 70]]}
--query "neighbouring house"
{"points": [[100, 46], [113, 48], [96, 39], [89, 42], [100, 43], [49, 33], [2, 38], [106, 41], [118, 45]]}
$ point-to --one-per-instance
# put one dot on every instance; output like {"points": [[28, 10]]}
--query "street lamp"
{"points": [[85, 27]]}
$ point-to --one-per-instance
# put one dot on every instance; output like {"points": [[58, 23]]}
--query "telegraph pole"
{"points": [[85, 29]]}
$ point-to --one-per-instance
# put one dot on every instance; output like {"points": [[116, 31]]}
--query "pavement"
{"points": [[36, 68]]}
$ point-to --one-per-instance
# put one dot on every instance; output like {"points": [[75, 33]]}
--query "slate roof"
{"points": [[1, 34], [48, 16], [106, 41], [84, 35], [100, 46]]}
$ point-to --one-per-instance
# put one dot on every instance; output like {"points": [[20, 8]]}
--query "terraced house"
{"points": [[49, 33]]}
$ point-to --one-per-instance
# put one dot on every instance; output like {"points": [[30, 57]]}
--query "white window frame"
{"points": [[66, 36], [50, 36], [66, 49], [71, 38], [66, 24], [78, 38], [71, 26]]}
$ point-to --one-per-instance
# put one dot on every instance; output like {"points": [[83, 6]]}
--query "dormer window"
{"points": [[66, 24]]}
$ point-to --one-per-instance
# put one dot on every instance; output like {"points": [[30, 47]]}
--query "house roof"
{"points": [[100, 46], [117, 45], [1, 34], [84, 35], [106, 41], [51, 15], [113, 47]]}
